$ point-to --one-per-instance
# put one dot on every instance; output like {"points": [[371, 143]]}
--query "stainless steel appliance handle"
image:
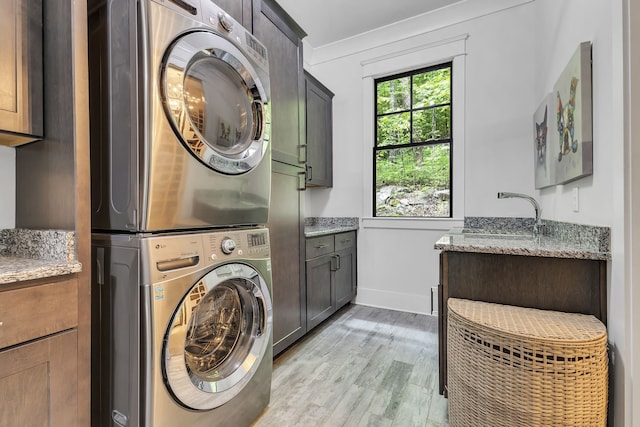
{"points": [[259, 119], [174, 264], [263, 316]]}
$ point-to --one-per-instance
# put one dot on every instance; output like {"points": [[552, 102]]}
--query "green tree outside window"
{"points": [[413, 143]]}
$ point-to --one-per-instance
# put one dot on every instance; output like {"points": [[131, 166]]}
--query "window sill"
{"points": [[437, 224]]}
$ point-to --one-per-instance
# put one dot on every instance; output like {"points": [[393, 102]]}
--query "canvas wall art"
{"points": [[572, 119], [544, 143]]}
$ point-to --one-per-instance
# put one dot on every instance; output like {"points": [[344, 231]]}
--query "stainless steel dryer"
{"points": [[179, 96], [182, 329]]}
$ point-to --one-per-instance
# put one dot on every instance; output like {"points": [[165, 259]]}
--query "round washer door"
{"points": [[217, 337], [215, 101]]}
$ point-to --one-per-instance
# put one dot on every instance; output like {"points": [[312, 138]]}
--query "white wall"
{"points": [[513, 58], [7, 187], [561, 27], [398, 266]]}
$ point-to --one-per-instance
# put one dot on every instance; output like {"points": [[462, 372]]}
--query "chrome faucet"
{"points": [[537, 226]]}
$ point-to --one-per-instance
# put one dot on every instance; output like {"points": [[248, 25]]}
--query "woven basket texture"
{"points": [[515, 366]]}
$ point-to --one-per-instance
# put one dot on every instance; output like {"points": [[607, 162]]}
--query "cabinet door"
{"points": [[20, 71], [319, 133], [240, 10], [282, 38], [345, 276], [320, 293], [38, 383], [286, 228]]}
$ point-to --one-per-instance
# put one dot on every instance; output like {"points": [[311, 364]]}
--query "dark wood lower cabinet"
{"points": [[331, 274], [38, 382], [320, 292], [286, 230], [345, 276], [560, 284]]}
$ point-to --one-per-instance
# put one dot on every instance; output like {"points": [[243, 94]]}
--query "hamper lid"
{"points": [[530, 322]]}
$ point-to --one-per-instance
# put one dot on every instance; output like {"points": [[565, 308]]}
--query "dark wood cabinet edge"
{"points": [[276, 14], [318, 83]]}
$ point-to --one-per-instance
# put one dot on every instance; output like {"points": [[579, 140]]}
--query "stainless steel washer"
{"points": [[179, 99], [182, 329]]}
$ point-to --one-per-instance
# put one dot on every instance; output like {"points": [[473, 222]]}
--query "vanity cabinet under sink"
{"points": [[549, 283]]}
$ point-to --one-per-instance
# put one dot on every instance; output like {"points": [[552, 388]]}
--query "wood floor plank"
{"points": [[414, 407], [363, 367]]}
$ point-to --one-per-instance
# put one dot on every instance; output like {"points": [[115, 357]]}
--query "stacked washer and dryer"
{"points": [[181, 178]]}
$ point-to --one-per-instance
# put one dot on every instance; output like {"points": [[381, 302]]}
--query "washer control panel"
{"points": [[234, 244], [228, 245], [173, 256]]}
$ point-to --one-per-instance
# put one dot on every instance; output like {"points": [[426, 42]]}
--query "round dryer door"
{"points": [[215, 101], [217, 337]]}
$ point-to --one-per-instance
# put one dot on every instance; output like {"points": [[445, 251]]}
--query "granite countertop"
{"points": [[320, 226], [34, 254], [558, 240]]}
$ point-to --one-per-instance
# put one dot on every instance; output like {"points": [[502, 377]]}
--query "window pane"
{"points": [[393, 95], [413, 181], [394, 129], [432, 124], [432, 88]]}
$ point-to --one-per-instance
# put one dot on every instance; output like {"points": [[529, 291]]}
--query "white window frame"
{"points": [[453, 50]]}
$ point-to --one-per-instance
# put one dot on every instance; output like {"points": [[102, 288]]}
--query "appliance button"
{"points": [[213, 257], [225, 21], [240, 252], [228, 245]]}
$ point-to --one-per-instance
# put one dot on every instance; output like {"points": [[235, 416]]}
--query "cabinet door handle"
{"points": [[302, 181], [309, 173], [335, 263], [302, 153]]}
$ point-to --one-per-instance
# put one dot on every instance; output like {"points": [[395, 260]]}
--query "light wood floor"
{"points": [[363, 367]]}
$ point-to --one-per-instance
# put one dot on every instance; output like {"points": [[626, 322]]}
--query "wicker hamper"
{"points": [[515, 366]]}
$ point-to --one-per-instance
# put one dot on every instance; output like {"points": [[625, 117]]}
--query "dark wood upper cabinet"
{"points": [[20, 72], [283, 40], [319, 133], [241, 10]]}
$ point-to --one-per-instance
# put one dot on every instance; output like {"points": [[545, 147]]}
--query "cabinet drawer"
{"points": [[36, 311], [318, 246], [345, 240]]}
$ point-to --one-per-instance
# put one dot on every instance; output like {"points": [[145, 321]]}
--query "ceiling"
{"points": [[327, 21]]}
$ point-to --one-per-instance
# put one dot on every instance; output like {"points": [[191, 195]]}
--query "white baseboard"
{"points": [[411, 303]]}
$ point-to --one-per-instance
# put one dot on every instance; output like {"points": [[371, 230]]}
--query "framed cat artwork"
{"points": [[543, 143], [571, 121]]}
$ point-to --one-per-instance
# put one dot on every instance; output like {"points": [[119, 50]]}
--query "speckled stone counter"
{"points": [[34, 254], [318, 226], [513, 236]]}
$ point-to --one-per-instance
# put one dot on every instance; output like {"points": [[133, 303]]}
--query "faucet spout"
{"points": [[538, 211]]}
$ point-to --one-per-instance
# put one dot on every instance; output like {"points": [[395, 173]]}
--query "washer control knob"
{"points": [[228, 245], [225, 21]]}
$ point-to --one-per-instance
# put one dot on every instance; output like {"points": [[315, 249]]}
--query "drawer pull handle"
{"points": [[322, 246]]}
